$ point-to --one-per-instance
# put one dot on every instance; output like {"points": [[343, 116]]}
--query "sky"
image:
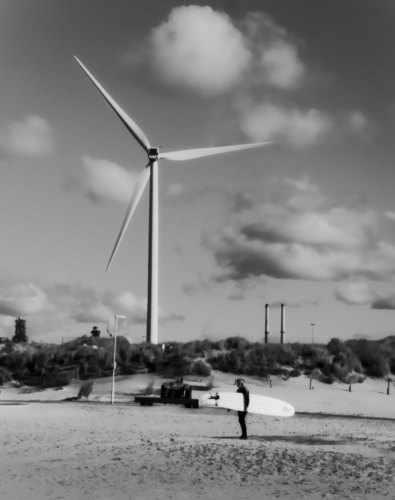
{"points": [[308, 221]]}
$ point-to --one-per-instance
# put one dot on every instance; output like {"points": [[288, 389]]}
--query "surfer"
{"points": [[242, 414]]}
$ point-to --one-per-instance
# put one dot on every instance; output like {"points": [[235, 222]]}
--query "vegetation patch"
{"points": [[88, 358]]}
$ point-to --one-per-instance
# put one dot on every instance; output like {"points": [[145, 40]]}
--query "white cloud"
{"points": [[356, 293], [204, 51], [103, 180], [337, 227], [297, 195], [7, 326], [94, 313], [359, 124], [304, 184], [301, 129], [127, 302], [200, 49], [242, 258], [390, 215], [33, 137], [357, 121], [322, 241], [22, 301], [201, 285], [282, 66], [238, 295], [384, 302], [53, 306]]}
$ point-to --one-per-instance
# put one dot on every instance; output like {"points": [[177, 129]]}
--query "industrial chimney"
{"points": [[266, 323], [282, 323]]}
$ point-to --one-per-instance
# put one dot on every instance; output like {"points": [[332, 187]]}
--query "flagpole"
{"points": [[114, 361]]}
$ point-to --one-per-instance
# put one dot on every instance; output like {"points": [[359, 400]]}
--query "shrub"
{"points": [[374, 357], [284, 354], [295, 373], [327, 379], [235, 343], [85, 389], [354, 363], [176, 362], [306, 350], [58, 380], [219, 346], [105, 361], [200, 368], [334, 346], [355, 378], [5, 376], [278, 371], [322, 356], [339, 372], [148, 358], [40, 362]]}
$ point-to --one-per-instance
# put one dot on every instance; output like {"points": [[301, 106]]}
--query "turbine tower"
{"points": [[151, 172]]}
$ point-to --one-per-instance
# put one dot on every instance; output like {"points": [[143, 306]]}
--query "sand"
{"points": [[93, 450]]}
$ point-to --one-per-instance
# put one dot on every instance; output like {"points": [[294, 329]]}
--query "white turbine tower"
{"points": [[151, 171]]}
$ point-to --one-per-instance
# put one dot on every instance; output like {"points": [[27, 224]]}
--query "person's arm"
{"points": [[246, 399]]}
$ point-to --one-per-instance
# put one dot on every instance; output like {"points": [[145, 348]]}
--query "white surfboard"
{"points": [[258, 404]]}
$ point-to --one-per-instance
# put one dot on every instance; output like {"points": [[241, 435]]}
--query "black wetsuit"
{"points": [[242, 414]]}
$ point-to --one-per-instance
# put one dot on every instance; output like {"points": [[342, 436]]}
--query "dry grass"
{"points": [[210, 384], [30, 390], [150, 388]]}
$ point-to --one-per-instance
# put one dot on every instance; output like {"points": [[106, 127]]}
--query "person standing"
{"points": [[242, 414]]}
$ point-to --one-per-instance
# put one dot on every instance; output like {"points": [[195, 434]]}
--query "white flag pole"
{"points": [[114, 361]]}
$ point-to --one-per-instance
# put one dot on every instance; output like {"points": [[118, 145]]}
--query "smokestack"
{"points": [[266, 323], [282, 323]]}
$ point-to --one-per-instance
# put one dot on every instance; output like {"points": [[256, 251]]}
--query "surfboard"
{"points": [[258, 404]]}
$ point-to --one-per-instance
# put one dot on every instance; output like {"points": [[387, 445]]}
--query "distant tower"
{"points": [[266, 323], [95, 332], [282, 323], [20, 330]]}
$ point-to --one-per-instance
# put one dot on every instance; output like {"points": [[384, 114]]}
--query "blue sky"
{"points": [[309, 221]]}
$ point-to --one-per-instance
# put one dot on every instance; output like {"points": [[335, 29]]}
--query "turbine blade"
{"points": [[136, 195], [133, 128], [190, 154]]}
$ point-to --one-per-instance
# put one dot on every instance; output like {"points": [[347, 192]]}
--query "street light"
{"points": [[114, 363], [312, 332]]}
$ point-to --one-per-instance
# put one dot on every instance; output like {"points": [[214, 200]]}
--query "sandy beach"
{"points": [[92, 450]]}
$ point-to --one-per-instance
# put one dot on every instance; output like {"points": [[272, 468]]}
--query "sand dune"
{"points": [[92, 450]]}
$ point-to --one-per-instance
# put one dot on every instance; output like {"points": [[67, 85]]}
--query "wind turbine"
{"points": [[151, 172]]}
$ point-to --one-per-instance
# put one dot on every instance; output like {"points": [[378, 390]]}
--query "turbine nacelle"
{"points": [[153, 154]]}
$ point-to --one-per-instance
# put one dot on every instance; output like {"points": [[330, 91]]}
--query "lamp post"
{"points": [[114, 362], [312, 332]]}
